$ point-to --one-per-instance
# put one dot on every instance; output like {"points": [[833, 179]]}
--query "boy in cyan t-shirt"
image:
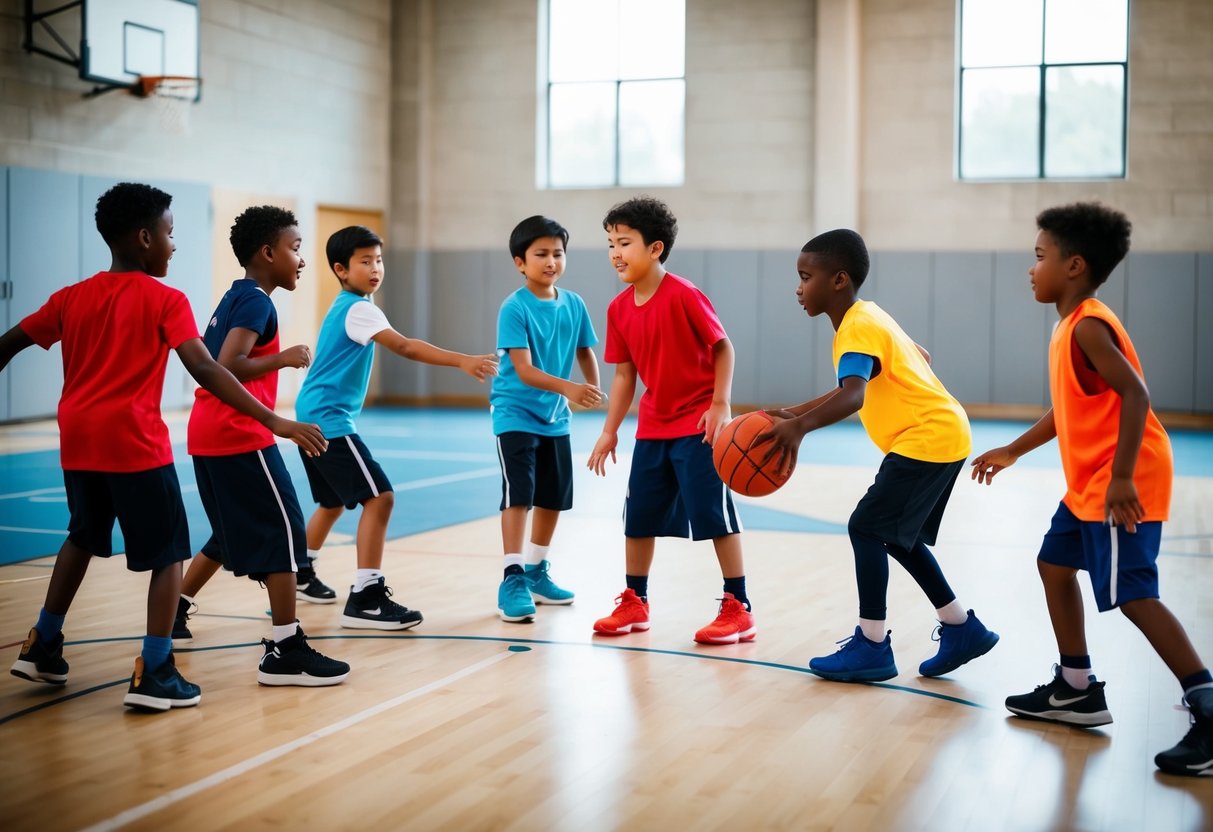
{"points": [[540, 331], [346, 475]]}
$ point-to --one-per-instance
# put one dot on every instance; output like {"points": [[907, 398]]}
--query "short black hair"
{"points": [[256, 227], [532, 229], [651, 217], [846, 251], [127, 207], [1096, 233], [342, 245]]}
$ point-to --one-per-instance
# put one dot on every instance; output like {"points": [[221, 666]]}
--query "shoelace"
{"points": [[937, 633]]}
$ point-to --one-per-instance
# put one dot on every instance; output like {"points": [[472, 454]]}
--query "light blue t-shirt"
{"points": [[553, 330], [335, 387]]}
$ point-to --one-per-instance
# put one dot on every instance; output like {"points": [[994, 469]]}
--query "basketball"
{"points": [[741, 471]]}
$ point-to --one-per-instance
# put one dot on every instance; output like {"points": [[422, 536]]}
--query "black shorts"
{"points": [[147, 506], [536, 471], [256, 523], [345, 475], [674, 491], [906, 502]]}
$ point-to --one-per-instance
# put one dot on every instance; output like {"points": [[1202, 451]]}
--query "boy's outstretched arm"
{"points": [[714, 419], [13, 342], [1094, 337], [588, 362], [214, 377], [987, 464], [787, 432], [623, 388], [586, 395], [233, 355], [479, 367]]}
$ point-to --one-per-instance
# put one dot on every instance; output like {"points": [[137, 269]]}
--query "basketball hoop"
{"points": [[172, 96]]}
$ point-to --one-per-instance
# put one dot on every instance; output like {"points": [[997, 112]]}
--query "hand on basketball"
{"points": [[302, 434], [1121, 505], [479, 367], [298, 356], [985, 466], [784, 437], [604, 447], [713, 420], [586, 395]]}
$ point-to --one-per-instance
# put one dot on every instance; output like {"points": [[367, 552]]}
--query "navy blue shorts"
{"points": [[345, 475], [256, 523], [674, 491], [147, 506], [535, 471], [1123, 566], [906, 502]]}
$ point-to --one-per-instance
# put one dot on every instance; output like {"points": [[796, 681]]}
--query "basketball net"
{"points": [[172, 96]]}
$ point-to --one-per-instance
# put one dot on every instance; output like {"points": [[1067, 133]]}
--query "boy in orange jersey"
{"points": [[1117, 461]]}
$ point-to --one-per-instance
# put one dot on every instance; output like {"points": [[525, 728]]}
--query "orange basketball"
{"points": [[741, 471]]}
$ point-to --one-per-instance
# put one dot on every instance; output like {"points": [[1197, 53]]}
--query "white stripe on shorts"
{"points": [[1115, 572], [366, 473], [286, 521], [505, 479], [731, 521]]}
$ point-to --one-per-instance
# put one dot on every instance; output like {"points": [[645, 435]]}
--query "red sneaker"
{"points": [[630, 615], [733, 624]]}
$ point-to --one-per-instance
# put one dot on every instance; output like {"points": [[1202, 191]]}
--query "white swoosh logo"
{"points": [[1055, 702]]}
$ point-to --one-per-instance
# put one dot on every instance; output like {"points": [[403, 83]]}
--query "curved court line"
{"points": [[501, 639]]}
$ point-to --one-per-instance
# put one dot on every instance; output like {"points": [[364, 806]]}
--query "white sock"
{"points": [[312, 554], [953, 614], [284, 631], [512, 559], [872, 629], [535, 553], [365, 577], [1077, 677], [187, 598]]}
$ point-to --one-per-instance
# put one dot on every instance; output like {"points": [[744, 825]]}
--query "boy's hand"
{"points": [[586, 395], [1121, 505], [604, 447], [304, 435], [713, 420], [479, 367], [986, 465], [784, 437], [298, 356]]}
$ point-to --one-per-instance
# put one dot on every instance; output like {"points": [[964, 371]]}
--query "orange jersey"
{"points": [[1088, 425]]}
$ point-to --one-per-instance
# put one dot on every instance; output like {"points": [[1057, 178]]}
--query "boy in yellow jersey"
{"points": [[924, 433], [1117, 461]]}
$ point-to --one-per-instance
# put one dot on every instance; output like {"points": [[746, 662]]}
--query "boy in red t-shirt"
{"points": [[662, 330], [116, 329]]}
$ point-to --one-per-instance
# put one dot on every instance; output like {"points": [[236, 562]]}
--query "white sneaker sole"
{"points": [[515, 619], [639, 627], [351, 623], [1091, 720], [299, 680], [29, 671], [158, 703], [539, 599], [747, 635]]}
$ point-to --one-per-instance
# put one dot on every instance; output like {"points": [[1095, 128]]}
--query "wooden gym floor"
{"points": [[470, 723]]}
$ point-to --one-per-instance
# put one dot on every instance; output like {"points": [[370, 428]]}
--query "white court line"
{"points": [[466, 475], [442, 456], [35, 493], [60, 532], [177, 795]]}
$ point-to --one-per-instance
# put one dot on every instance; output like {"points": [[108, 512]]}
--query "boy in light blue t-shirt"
{"points": [[540, 330], [346, 475]]}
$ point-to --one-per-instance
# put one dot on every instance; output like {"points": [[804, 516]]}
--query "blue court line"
{"points": [[511, 641]]}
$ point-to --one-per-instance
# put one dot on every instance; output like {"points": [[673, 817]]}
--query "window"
{"points": [[1042, 89], [614, 93]]}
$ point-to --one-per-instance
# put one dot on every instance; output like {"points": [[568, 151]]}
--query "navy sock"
{"points": [[736, 586], [1076, 662], [1202, 677], [638, 584], [155, 651], [514, 569], [49, 625]]}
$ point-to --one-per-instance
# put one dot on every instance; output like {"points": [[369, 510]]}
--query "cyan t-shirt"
{"points": [[553, 331]]}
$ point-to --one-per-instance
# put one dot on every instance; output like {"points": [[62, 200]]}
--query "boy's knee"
{"points": [[384, 501]]}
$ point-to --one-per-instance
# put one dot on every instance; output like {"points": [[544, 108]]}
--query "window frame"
{"points": [[1042, 69]]}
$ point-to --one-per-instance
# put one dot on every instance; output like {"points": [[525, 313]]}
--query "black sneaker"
{"points": [[373, 609], [293, 661], [160, 689], [40, 660], [1058, 702], [181, 630], [1193, 755], [313, 590]]}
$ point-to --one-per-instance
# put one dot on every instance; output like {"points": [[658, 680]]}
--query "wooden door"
{"points": [[329, 220]]}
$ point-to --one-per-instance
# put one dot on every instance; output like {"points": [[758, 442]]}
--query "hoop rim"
{"points": [[146, 85]]}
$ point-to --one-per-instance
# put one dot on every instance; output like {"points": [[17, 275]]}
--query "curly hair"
{"points": [[127, 207], [257, 227], [1095, 232], [649, 216], [846, 251]]}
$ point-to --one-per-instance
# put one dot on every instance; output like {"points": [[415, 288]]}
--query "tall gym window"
{"points": [[1043, 89], [613, 93]]}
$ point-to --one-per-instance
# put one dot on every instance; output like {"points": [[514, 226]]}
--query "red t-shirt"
{"points": [[670, 340], [116, 329]]}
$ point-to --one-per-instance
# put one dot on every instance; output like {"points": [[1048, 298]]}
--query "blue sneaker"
{"points": [[514, 599], [543, 588], [858, 660], [160, 689], [958, 644]]}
